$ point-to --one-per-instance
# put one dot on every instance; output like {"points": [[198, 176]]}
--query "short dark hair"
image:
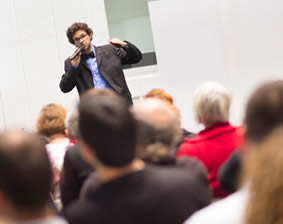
{"points": [[264, 110], [75, 27], [25, 170], [108, 127]]}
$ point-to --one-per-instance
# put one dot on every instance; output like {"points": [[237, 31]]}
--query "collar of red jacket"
{"points": [[215, 129]]}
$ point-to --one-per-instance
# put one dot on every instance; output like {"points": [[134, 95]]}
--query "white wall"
{"points": [[34, 46], [236, 42]]}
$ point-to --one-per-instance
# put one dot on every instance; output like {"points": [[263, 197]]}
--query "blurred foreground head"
{"points": [[25, 172], [264, 171], [107, 128], [158, 130], [264, 111]]}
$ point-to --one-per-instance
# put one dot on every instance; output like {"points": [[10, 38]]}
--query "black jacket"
{"points": [[154, 195], [75, 171], [110, 60]]}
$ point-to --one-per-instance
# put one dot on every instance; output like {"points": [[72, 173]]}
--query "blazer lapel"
{"points": [[99, 55]]}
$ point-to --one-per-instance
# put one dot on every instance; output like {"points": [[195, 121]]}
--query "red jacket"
{"points": [[212, 147]]}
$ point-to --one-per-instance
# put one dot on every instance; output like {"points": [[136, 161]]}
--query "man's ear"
{"points": [[87, 153]]}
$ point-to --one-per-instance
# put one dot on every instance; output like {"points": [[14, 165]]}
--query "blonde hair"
{"points": [[264, 170], [211, 103]]}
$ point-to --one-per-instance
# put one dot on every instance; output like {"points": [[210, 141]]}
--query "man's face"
{"points": [[82, 39]]}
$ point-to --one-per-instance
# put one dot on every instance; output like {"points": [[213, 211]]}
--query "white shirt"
{"points": [[57, 152], [229, 210]]}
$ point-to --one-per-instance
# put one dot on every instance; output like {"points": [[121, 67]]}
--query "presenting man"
{"points": [[97, 67]]}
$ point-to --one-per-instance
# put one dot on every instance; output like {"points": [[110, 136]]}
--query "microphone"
{"points": [[79, 50]]}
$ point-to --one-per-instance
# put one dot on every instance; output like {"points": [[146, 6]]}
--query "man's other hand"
{"points": [[117, 42]]}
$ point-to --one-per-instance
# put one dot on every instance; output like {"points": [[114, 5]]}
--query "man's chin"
{"points": [[87, 48]]}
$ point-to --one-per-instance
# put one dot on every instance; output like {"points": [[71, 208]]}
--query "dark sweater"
{"points": [[154, 195], [229, 172], [75, 171]]}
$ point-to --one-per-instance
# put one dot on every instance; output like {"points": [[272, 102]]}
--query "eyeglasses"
{"points": [[77, 39]]}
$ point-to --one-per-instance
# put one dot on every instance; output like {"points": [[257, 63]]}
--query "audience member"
{"points": [[263, 115], [71, 125], [51, 124], [26, 178], [165, 96], [130, 192], [264, 171], [229, 172], [75, 169], [158, 133], [219, 139]]}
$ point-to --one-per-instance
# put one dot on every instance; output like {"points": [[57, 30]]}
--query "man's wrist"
{"points": [[125, 45], [74, 66]]}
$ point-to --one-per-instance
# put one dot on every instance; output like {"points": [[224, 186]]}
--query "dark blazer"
{"points": [[110, 60], [74, 173]]}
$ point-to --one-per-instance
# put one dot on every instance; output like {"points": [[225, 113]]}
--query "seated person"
{"points": [[261, 187], [158, 133], [26, 178], [130, 191], [165, 96], [75, 169], [213, 145], [51, 124], [229, 172]]}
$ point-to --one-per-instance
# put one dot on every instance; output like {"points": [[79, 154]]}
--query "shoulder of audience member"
{"points": [[193, 166], [82, 211]]}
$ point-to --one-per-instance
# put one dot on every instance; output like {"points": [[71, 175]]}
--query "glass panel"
{"points": [[129, 20]]}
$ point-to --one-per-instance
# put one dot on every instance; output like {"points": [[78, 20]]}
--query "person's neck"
{"points": [[89, 49], [106, 173], [57, 138], [21, 216]]}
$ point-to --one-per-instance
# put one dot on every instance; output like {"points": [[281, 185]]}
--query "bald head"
{"points": [[24, 169], [155, 112], [158, 128]]}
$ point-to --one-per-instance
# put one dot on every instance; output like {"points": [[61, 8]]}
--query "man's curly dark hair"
{"points": [[75, 27]]}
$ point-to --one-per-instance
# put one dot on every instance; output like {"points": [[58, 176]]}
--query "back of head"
{"points": [[211, 103], [25, 170], [166, 97], [51, 120], [71, 123], [160, 94], [264, 110], [158, 130], [108, 127]]}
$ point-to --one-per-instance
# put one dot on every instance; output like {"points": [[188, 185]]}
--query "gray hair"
{"points": [[211, 103], [71, 123], [158, 129]]}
